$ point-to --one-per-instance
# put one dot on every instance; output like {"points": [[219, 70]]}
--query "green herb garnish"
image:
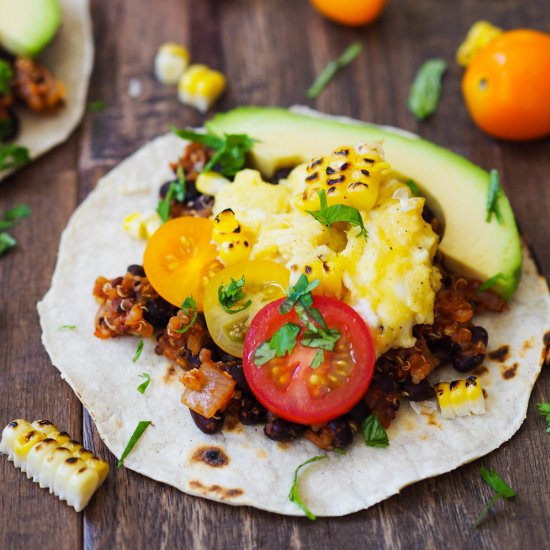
{"points": [[96, 106], [138, 432], [139, 349], [189, 307], [232, 293], [12, 156], [374, 433], [318, 359], [230, 151], [7, 242], [501, 488], [426, 88], [12, 216], [340, 451], [177, 191], [414, 188], [493, 195], [281, 343], [300, 290], [492, 281], [294, 495], [327, 215], [66, 327], [327, 74], [143, 386], [6, 75], [544, 410]]}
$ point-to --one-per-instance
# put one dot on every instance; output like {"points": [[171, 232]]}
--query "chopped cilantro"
{"points": [[12, 156], [232, 293], [143, 386], [6, 74], [96, 106], [327, 74], [189, 307], [318, 359], [66, 327], [426, 88], [281, 343], [138, 432], [374, 433], [339, 451], [139, 349], [327, 215], [411, 184], [7, 242], [177, 191], [320, 338], [294, 495], [501, 488], [301, 289], [9, 220], [492, 281], [544, 410], [493, 195]]}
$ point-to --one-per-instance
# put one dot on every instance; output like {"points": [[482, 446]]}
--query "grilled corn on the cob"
{"points": [[460, 397], [200, 86], [233, 245], [53, 460], [170, 62]]}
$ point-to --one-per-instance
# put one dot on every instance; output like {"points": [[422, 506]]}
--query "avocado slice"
{"points": [[454, 187], [27, 26]]}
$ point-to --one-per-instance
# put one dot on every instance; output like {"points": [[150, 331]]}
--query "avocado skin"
{"points": [[28, 26], [454, 187]]}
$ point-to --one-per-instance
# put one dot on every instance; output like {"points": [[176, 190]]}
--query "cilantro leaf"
{"points": [[7, 242], [177, 191], [6, 74], [501, 488], [318, 359], [143, 386], [492, 281], [544, 410], [327, 215], [208, 140], [414, 188], [138, 432], [11, 217], [294, 495], [66, 327], [493, 195], [189, 307], [12, 156], [300, 289], [96, 106], [374, 433], [232, 293], [327, 74], [426, 88], [281, 343], [322, 339], [139, 349]]}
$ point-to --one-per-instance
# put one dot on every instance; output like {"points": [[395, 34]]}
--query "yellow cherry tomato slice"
{"points": [[180, 259], [264, 282]]}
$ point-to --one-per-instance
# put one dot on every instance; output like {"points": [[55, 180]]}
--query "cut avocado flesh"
{"points": [[453, 186], [27, 26]]}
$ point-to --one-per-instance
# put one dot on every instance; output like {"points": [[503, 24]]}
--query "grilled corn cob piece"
{"points": [[170, 62], [349, 176], [142, 225], [233, 244], [54, 460], [209, 183], [479, 35], [460, 397], [200, 86]]}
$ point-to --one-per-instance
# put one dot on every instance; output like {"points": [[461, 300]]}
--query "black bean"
{"points": [[136, 270], [418, 392], [191, 192], [251, 412], [158, 312], [359, 412], [282, 430], [466, 363], [9, 126], [201, 202], [235, 369], [208, 425], [341, 433], [479, 334]]}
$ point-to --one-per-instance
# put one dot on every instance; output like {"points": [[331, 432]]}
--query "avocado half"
{"points": [[454, 187], [27, 26]]}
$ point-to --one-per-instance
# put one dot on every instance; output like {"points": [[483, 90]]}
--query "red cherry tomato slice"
{"points": [[289, 387]]}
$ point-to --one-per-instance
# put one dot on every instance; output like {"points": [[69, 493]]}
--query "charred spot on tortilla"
{"points": [[224, 493], [170, 374], [261, 453], [212, 456], [432, 421], [500, 354], [232, 424], [232, 493], [485, 394], [480, 370], [282, 445], [510, 372]]}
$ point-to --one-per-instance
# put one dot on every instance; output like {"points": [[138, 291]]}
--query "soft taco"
{"points": [[433, 282], [43, 84]]}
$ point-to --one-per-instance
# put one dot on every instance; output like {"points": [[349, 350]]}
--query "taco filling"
{"points": [[309, 305]]}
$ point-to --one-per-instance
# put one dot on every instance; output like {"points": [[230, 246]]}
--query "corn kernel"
{"points": [[479, 36], [209, 183], [170, 62], [200, 86], [142, 225]]}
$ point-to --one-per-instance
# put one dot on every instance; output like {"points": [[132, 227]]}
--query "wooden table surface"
{"points": [[270, 51]]}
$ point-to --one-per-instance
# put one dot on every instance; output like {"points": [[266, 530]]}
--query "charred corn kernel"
{"points": [[329, 272], [200, 86], [350, 176], [225, 222], [142, 225], [54, 460], [209, 183], [233, 244], [170, 62], [479, 35], [460, 397]]}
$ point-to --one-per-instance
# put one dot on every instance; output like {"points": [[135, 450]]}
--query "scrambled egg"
{"points": [[387, 277]]}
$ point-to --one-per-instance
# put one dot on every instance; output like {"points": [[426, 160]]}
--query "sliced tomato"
{"points": [[289, 386], [264, 281], [180, 259]]}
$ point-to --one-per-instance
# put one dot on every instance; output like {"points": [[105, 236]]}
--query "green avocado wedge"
{"points": [[27, 26], [455, 188]]}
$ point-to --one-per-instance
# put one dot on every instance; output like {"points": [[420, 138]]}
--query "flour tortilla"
{"points": [[258, 471], [70, 58]]}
